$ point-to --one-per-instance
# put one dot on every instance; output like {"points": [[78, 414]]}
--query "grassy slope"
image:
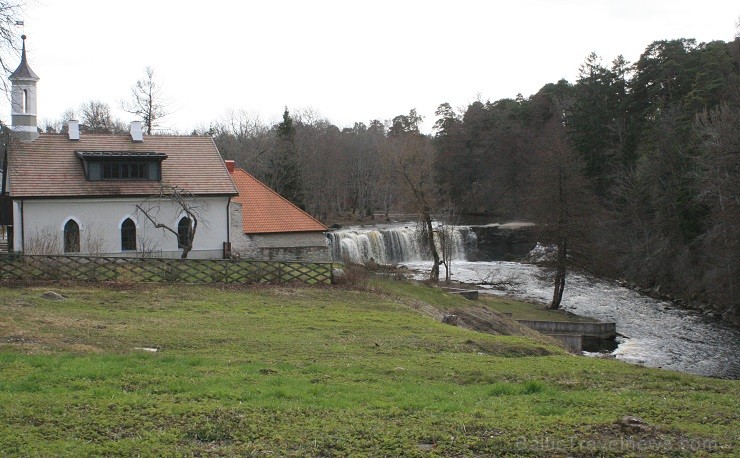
{"points": [[526, 311], [309, 371]]}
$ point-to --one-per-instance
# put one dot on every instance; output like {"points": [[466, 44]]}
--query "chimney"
{"points": [[229, 165], [74, 129], [136, 134]]}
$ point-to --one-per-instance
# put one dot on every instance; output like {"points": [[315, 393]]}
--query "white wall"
{"points": [[100, 225], [16, 105], [240, 243]]}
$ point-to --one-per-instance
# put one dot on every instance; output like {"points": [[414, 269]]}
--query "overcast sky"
{"points": [[348, 60]]}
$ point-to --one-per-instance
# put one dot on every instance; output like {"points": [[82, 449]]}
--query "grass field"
{"points": [[323, 371]]}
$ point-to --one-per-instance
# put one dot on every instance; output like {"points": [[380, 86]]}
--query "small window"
{"points": [[108, 170], [24, 108], [184, 232], [125, 171], [71, 237], [128, 235]]}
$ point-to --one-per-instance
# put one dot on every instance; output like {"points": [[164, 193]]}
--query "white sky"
{"points": [[348, 60]]}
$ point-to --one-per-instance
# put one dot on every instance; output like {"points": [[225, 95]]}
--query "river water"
{"points": [[655, 333]]}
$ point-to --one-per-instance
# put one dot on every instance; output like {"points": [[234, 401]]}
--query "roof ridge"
{"points": [[127, 134]]}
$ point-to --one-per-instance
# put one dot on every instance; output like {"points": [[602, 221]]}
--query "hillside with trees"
{"points": [[632, 169]]}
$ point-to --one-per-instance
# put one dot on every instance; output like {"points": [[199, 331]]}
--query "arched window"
{"points": [[71, 237], [183, 232], [24, 101], [128, 235]]}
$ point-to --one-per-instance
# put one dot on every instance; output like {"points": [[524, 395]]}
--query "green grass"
{"points": [[321, 371], [527, 311]]}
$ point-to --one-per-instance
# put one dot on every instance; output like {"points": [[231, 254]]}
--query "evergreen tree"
{"points": [[597, 120], [284, 173]]}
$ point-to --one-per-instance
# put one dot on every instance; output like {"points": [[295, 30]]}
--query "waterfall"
{"points": [[393, 244]]}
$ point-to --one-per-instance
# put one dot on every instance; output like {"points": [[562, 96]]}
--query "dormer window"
{"points": [[125, 170], [121, 165]]}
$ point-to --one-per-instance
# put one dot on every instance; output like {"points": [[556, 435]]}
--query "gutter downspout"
{"points": [[23, 230], [226, 254], [5, 171], [228, 220]]}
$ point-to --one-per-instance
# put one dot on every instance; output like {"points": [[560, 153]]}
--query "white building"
{"points": [[91, 193]]}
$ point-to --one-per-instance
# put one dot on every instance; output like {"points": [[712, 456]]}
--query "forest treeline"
{"points": [[633, 166]]}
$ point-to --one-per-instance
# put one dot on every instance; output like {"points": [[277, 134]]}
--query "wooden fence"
{"points": [[91, 268]]}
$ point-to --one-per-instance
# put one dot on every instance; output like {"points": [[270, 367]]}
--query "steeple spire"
{"points": [[23, 70], [23, 99]]}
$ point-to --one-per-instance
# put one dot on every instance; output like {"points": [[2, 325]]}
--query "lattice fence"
{"points": [[89, 268]]}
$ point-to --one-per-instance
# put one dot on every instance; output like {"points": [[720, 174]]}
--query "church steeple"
{"points": [[23, 99]]}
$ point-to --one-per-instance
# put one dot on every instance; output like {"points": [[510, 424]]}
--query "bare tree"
{"points": [[446, 236], [148, 101], [413, 158], [95, 240], [45, 240], [59, 125], [185, 202], [564, 202], [97, 119], [9, 14], [243, 137]]}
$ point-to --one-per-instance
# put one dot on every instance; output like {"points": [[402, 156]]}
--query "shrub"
{"points": [[352, 275]]}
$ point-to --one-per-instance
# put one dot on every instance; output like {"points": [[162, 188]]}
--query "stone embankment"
{"points": [[577, 336]]}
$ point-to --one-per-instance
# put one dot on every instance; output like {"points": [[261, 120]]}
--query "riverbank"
{"points": [[329, 371], [490, 241], [655, 333]]}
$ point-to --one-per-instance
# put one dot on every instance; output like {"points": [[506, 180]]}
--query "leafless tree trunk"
{"points": [[446, 236], [561, 266], [182, 200], [564, 202], [413, 157], [426, 217]]}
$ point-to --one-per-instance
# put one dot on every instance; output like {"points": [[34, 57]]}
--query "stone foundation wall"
{"points": [[303, 254], [307, 247]]}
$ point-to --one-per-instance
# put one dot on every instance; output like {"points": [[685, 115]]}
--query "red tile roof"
{"points": [[48, 166], [266, 212]]}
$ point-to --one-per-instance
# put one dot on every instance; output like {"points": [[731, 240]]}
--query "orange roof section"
{"points": [[266, 212], [48, 166]]}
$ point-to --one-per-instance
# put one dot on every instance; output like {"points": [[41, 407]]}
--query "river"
{"points": [[656, 333]]}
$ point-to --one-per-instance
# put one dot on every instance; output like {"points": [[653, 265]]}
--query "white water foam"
{"points": [[391, 244]]}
